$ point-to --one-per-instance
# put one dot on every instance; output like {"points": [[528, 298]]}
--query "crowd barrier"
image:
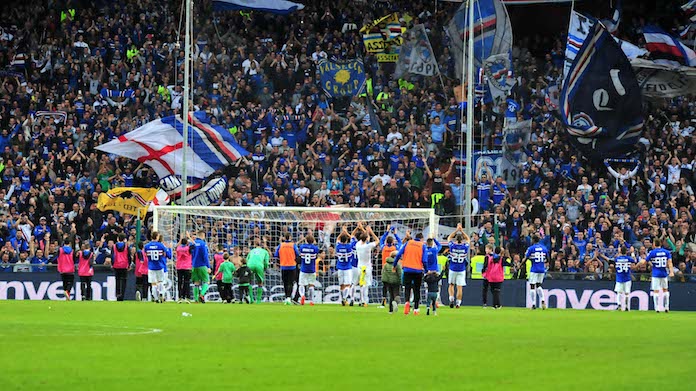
{"points": [[569, 294]]}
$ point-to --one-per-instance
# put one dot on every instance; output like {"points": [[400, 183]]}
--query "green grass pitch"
{"points": [[145, 346]]}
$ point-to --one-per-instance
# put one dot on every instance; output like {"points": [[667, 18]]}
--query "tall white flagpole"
{"points": [[185, 108], [469, 182]]}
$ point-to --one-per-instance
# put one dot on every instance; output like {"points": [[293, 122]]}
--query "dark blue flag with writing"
{"points": [[600, 103]]}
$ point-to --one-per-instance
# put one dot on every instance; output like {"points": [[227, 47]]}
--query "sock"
{"points": [[665, 295], [153, 289], [302, 290], [259, 294], [628, 302], [161, 289], [532, 295], [204, 289], [346, 293], [352, 292], [540, 293], [451, 299], [196, 291], [459, 302], [620, 302], [311, 293], [656, 300], [294, 289], [251, 293], [365, 294]]}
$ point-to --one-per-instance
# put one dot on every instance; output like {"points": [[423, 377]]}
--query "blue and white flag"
{"points": [[281, 7], [664, 46], [601, 104], [416, 55], [497, 72], [492, 31]]}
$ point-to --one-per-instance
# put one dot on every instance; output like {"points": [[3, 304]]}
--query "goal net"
{"points": [[233, 229]]}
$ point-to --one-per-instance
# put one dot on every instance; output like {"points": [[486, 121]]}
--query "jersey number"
{"points": [[622, 267], [457, 258], [307, 258], [659, 262], [154, 255], [538, 257]]}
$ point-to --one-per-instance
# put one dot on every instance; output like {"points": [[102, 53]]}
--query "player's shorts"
{"points": [[659, 283], [367, 280], [457, 278], [200, 274], [345, 277], [355, 275], [623, 287], [156, 276], [259, 272], [307, 278], [536, 278]]}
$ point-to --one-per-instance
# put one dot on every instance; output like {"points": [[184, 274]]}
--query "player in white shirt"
{"points": [[367, 240]]}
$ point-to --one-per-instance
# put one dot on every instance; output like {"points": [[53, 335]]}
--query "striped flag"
{"points": [[663, 46]]}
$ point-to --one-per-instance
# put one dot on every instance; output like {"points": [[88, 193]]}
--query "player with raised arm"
{"points": [[308, 268], [363, 251], [660, 260], [538, 254], [388, 243], [157, 256], [257, 261], [624, 263], [344, 254], [458, 262], [287, 253], [200, 261], [355, 270]]}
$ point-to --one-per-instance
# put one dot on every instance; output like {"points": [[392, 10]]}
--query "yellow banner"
{"points": [[130, 200], [387, 57], [374, 43], [391, 18]]}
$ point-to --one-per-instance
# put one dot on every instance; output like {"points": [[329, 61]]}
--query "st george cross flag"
{"points": [[281, 7], [664, 46], [600, 104], [159, 144]]}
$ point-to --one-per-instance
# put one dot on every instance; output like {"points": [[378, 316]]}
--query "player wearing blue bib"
{"points": [[458, 262], [308, 268], [344, 253], [538, 255], [624, 264], [660, 261], [157, 256]]}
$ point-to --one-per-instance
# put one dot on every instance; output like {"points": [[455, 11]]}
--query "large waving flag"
{"points": [[159, 144], [416, 55], [281, 7], [492, 31], [664, 46], [600, 103]]}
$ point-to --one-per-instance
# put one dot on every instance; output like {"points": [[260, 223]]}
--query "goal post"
{"points": [[232, 229]]}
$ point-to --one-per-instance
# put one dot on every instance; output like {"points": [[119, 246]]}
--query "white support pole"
{"points": [[185, 108], [468, 182]]}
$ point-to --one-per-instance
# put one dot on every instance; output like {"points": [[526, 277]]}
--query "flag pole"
{"points": [[186, 103], [469, 120]]}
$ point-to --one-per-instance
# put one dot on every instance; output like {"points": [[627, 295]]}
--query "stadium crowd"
{"points": [[256, 75]]}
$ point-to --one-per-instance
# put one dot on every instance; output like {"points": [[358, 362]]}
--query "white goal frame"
{"points": [[429, 212]]}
